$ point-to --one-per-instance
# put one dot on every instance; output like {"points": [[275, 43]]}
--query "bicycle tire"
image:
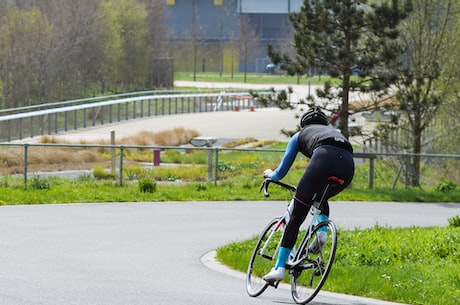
{"points": [[260, 265], [308, 277]]}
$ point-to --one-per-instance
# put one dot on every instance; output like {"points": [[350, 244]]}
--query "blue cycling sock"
{"points": [[321, 218], [282, 257]]}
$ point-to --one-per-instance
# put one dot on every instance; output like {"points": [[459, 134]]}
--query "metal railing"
{"points": [[20, 159], [48, 119]]}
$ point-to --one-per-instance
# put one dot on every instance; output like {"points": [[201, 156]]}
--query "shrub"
{"points": [[38, 183], [84, 178], [239, 142], [446, 186], [100, 173], [174, 137], [201, 187], [133, 172], [147, 185], [454, 221]]}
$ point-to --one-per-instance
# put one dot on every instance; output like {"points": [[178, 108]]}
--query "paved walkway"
{"points": [[262, 124]]}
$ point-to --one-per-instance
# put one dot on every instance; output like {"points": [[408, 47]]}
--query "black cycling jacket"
{"points": [[313, 136]]}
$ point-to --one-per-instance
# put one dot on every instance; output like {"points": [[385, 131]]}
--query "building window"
{"points": [[170, 2], [218, 2]]}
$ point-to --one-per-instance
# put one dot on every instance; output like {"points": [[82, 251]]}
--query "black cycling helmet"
{"points": [[313, 116]]}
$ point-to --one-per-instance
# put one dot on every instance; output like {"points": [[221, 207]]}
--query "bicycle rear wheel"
{"points": [[263, 257], [308, 277]]}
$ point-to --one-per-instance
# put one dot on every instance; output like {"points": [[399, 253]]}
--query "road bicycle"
{"points": [[308, 265]]}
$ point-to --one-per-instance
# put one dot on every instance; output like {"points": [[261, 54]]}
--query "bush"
{"points": [[100, 173], [147, 185], [201, 187], [38, 183], [446, 186], [133, 172], [84, 178], [454, 221]]}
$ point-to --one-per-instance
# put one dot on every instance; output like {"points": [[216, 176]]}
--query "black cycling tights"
{"points": [[298, 215], [326, 161]]}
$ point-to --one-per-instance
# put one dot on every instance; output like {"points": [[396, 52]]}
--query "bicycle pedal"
{"points": [[273, 283]]}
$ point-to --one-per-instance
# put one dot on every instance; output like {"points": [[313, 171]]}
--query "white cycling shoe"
{"points": [[275, 274], [319, 242]]}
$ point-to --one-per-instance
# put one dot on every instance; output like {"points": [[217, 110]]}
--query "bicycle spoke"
{"points": [[262, 259], [308, 277]]}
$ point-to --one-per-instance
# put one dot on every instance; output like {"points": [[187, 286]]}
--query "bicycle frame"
{"points": [[267, 242], [314, 210], [309, 262], [291, 264]]}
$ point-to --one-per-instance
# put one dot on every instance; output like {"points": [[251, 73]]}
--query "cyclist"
{"points": [[330, 154]]}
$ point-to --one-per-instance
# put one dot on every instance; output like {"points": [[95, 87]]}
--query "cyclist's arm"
{"points": [[288, 159]]}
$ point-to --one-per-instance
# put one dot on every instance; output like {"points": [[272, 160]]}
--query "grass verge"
{"points": [[173, 184], [408, 265]]}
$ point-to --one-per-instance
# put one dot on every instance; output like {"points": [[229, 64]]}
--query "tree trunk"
{"points": [[417, 148], [343, 125]]}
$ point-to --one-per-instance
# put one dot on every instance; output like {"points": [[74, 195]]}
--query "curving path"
{"points": [[156, 253]]}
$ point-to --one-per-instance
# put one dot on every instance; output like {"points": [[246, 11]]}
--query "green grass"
{"points": [[173, 185], [239, 178], [253, 78], [409, 265]]}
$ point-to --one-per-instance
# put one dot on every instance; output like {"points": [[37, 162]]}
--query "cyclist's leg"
{"points": [[326, 162], [303, 200], [324, 214], [298, 215]]}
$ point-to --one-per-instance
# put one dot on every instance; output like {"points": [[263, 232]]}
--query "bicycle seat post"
{"points": [[317, 203]]}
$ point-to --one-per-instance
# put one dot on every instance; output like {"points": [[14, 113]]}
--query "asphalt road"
{"points": [[156, 253], [162, 253]]}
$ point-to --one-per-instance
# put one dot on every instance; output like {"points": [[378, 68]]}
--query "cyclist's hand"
{"points": [[267, 173]]}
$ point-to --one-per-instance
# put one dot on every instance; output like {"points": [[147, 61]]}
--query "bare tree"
{"points": [[75, 50], [248, 43], [195, 37], [160, 61]]}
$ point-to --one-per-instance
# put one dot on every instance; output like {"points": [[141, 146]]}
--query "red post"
{"points": [[156, 157]]}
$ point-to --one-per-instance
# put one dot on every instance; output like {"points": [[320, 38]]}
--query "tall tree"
{"points": [[111, 46], [74, 50], [63, 49], [160, 59], [24, 40], [130, 17], [427, 80], [343, 36]]}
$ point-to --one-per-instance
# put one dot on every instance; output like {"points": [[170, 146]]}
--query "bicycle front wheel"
{"points": [[317, 256], [263, 257]]}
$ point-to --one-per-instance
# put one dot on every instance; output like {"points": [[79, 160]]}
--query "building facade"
{"points": [[208, 37]]}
